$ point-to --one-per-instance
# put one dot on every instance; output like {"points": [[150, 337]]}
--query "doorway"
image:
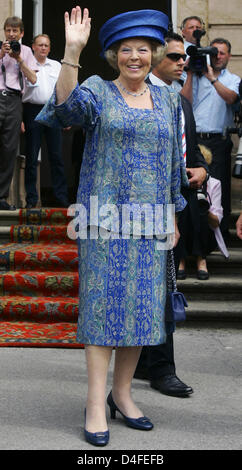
{"points": [[53, 19], [92, 63]]}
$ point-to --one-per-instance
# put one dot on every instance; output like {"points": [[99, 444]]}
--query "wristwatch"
{"points": [[213, 81]]}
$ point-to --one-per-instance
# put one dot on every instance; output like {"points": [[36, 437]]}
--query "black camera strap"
{"points": [[20, 76]]}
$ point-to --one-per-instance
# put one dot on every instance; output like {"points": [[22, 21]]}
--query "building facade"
{"points": [[221, 18]]}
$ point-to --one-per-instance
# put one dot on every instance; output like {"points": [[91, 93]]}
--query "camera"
{"points": [[203, 199], [237, 169], [198, 54], [15, 46]]}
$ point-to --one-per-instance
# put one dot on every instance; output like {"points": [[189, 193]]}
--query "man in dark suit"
{"points": [[157, 362]]}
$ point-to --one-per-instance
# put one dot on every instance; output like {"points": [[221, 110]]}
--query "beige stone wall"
{"points": [[222, 18], [193, 7], [225, 11], [6, 9]]}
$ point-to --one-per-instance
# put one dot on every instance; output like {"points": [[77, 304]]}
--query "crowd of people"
{"points": [[27, 80], [154, 134]]}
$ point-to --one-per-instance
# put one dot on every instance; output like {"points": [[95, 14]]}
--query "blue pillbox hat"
{"points": [[152, 24]]}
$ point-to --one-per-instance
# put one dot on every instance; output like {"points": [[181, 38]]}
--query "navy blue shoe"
{"points": [[96, 438], [143, 423]]}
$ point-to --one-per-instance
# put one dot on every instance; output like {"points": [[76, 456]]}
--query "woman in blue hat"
{"points": [[132, 159]]}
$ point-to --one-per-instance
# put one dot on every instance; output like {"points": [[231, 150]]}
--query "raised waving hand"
{"points": [[77, 30]]}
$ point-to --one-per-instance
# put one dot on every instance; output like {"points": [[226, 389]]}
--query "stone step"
{"points": [[234, 240], [8, 218], [227, 287], [11, 217], [4, 234], [217, 263], [214, 310], [5, 226], [235, 256]]}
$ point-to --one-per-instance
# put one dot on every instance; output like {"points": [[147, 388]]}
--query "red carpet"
{"points": [[39, 282]]}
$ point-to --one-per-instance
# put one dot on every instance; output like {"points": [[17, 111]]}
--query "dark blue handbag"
{"points": [[175, 301]]}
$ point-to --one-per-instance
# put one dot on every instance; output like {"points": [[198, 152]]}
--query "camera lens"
{"points": [[202, 202], [15, 46], [237, 170]]}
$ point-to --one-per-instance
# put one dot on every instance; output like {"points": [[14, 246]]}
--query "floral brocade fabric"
{"points": [[122, 292], [131, 155]]}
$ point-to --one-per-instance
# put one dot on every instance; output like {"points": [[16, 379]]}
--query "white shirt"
{"points": [[187, 44], [157, 81], [47, 76]]}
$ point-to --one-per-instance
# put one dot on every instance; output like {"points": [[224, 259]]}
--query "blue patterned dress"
{"points": [[131, 156]]}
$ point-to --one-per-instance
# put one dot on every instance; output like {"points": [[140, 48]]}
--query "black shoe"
{"points": [[171, 385], [202, 275], [181, 274], [4, 206]]}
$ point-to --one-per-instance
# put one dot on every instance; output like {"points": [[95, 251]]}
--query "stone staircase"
{"points": [[217, 299]]}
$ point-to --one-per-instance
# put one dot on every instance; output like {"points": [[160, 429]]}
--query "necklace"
{"points": [[130, 92]]}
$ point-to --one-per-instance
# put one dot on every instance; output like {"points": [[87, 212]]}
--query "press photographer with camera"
{"points": [[188, 26], [17, 64], [213, 90]]}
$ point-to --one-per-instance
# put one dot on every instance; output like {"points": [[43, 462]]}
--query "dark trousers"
{"points": [[33, 135], [159, 360], [10, 122], [220, 168]]}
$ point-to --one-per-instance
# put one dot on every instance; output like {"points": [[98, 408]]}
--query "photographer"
{"points": [[212, 93], [188, 26], [17, 64]]}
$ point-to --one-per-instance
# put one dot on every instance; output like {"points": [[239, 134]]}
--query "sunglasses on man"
{"points": [[174, 56]]}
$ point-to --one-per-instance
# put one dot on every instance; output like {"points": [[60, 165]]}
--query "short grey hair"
{"points": [[158, 53], [197, 18]]}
